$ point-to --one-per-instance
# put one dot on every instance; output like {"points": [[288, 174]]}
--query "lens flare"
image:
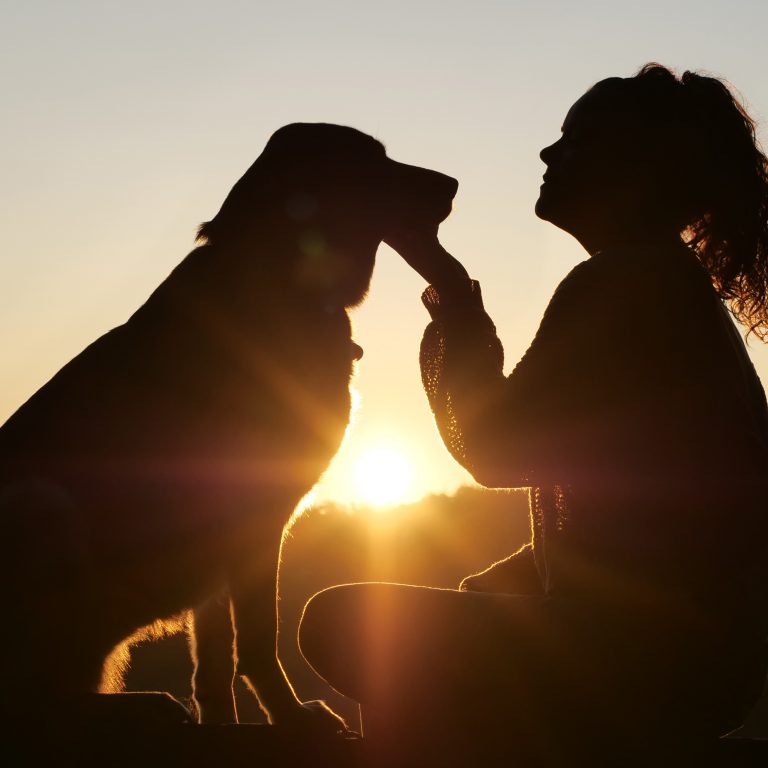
{"points": [[383, 476]]}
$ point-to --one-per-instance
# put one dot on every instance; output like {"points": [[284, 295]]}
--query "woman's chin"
{"points": [[543, 207], [553, 207]]}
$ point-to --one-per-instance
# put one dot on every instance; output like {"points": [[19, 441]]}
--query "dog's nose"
{"points": [[446, 185]]}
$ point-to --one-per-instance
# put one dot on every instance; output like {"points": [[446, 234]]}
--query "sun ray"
{"points": [[383, 476]]}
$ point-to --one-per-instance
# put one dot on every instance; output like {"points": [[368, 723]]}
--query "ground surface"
{"points": [[189, 745]]}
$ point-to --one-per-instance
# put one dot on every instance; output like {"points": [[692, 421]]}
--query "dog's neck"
{"points": [[301, 270], [286, 277], [273, 281]]}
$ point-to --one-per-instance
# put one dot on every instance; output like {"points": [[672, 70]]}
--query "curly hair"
{"points": [[718, 193]]}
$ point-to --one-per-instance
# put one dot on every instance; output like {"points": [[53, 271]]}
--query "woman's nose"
{"points": [[547, 153]]}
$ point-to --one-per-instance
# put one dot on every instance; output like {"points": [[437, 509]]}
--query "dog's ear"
{"points": [[257, 193], [249, 195]]}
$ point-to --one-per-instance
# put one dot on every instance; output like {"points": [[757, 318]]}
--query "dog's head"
{"points": [[317, 203]]}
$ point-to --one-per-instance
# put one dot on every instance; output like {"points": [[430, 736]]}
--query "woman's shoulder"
{"points": [[659, 292], [612, 276], [657, 275], [656, 260]]}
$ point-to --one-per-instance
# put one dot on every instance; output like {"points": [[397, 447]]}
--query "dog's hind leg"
{"points": [[49, 649], [212, 646]]}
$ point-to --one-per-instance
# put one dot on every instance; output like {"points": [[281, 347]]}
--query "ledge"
{"points": [[259, 745]]}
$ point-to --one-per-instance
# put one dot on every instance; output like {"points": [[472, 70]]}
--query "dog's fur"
{"points": [[155, 472]]}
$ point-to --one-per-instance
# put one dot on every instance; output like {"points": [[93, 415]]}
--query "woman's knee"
{"points": [[354, 635], [321, 627]]}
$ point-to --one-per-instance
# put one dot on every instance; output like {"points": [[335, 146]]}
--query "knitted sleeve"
{"points": [[508, 431]]}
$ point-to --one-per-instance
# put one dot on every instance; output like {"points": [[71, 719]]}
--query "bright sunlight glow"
{"points": [[383, 476]]}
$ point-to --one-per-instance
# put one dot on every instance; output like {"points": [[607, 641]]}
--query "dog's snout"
{"points": [[439, 184], [454, 185], [421, 193], [450, 184]]}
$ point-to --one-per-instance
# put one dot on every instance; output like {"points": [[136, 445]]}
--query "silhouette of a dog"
{"points": [[156, 471]]}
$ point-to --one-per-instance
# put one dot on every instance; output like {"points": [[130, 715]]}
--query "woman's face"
{"points": [[596, 179]]}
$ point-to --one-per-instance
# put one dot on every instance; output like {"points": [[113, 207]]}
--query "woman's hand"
{"points": [[422, 251]]}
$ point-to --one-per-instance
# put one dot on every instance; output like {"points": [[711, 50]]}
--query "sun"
{"points": [[383, 476]]}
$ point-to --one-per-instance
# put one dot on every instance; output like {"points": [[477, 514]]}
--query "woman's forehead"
{"points": [[605, 97]]}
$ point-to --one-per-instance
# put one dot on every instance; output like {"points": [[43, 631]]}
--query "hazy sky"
{"points": [[125, 124]]}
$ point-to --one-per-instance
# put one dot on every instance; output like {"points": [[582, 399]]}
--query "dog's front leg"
{"points": [[212, 646], [254, 597]]}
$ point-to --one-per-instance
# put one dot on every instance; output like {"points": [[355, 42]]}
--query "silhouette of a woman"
{"points": [[641, 427]]}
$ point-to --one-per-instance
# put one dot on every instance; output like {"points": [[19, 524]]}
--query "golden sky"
{"points": [[124, 126]]}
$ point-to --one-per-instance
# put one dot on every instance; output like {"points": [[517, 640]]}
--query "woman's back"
{"points": [[661, 460]]}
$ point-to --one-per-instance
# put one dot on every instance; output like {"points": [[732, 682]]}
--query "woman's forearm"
{"points": [[510, 431], [462, 371], [423, 252]]}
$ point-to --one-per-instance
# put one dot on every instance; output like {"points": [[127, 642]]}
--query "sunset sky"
{"points": [[124, 125]]}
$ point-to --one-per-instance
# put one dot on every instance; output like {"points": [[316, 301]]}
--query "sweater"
{"points": [[638, 422]]}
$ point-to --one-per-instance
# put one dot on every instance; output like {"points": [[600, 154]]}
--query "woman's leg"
{"points": [[523, 673], [432, 660]]}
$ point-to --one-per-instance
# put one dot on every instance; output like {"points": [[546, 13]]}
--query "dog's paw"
{"points": [[317, 718]]}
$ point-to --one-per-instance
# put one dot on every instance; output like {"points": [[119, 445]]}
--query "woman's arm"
{"points": [[507, 431], [423, 252]]}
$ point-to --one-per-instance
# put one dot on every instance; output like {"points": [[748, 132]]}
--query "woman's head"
{"points": [[655, 156]]}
